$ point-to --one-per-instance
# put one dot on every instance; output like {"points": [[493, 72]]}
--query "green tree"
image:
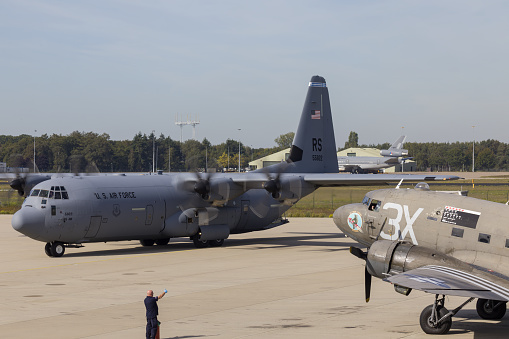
{"points": [[285, 140], [353, 140]]}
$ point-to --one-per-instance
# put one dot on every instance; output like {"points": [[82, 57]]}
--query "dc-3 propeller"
{"points": [[364, 256]]}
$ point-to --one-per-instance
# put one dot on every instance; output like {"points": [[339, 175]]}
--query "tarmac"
{"points": [[295, 281]]}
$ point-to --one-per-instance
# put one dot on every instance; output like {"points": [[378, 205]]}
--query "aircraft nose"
{"points": [[28, 221], [340, 218]]}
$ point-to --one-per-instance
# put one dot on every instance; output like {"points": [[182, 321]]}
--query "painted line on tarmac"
{"points": [[93, 261]]}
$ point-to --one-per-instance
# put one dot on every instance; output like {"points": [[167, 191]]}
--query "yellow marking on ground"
{"points": [[95, 261]]}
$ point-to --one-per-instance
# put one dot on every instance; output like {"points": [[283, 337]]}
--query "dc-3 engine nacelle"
{"points": [[394, 153], [386, 258]]}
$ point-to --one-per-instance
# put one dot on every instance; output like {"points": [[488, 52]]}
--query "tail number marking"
{"points": [[401, 210], [317, 144]]}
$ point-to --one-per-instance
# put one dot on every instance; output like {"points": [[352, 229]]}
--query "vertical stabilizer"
{"points": [[396, 150], [314, 146]]}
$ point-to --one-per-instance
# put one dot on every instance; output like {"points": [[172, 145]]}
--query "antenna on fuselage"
{"points": [[400, 182]]}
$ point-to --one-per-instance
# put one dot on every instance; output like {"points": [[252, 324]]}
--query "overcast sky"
{"points": [[436, 68]]}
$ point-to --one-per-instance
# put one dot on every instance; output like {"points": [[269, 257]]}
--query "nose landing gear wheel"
{"points": [[57, 249]]}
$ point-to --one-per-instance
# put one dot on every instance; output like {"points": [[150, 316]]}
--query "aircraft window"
{"points": [[365, 201], [374, 205], [485, 238], [64, 195], [35, 193], [57, 188], [507, 243], [58, 195], [62, 188], [52, 188], [51, 194], [457, 232], [44, 193]]}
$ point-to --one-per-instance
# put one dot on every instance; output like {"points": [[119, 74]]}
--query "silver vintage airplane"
{"points": [[395, 155], [434, 242], [69, 211]]}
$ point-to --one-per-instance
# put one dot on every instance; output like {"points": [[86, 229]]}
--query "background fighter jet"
{"points": [[68, 211], [389, 157], [434, 242]]}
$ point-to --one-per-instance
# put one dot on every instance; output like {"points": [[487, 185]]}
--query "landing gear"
{"points": [[216, 243], [147, 242], [47, 249], [54, 249], [436, 319], [491, 309], [162, 242], [200, 243]]}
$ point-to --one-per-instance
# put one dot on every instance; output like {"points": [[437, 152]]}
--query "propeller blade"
{"points": [[358, 253], [367, 283]]}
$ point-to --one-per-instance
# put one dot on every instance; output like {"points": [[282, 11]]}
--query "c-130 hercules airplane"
{"points": [[68, 211], [434, 242]]}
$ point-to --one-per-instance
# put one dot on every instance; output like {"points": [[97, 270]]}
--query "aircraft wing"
{"points": [[448, 281], [343, 179]]}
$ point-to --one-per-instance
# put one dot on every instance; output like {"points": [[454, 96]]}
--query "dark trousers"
{"points": [[151, 328]]}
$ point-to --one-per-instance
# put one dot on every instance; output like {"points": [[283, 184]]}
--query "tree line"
{"points": [[81, 152], [489, 155], [90, 152]]}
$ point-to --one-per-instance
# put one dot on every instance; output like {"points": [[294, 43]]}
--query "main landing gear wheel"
{"points": [[147, 242], [56, 249], [162, 242], [216, 243], [429, 320], [491, 309], [47, 249], [200, 243]]}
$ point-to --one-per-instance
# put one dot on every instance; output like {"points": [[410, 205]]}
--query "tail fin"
{"points": [[396, 150], [314, 146]]}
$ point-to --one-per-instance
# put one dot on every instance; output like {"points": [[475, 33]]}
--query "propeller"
{"points": [[202, 185], [367, 276], [24, 181]]}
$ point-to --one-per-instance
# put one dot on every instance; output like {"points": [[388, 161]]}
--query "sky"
{"points": [[427, 69]]}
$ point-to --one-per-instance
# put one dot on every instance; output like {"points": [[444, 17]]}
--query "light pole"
{"points": [[473, 149], [239, 148], [153, 150], [34, 148]]}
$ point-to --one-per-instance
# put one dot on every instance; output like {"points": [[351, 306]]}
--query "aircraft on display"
{"points": [[433, 242], [389, 157], [69, 211]]}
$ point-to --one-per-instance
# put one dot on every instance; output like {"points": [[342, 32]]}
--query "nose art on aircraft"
{"points": [[28, 221]]}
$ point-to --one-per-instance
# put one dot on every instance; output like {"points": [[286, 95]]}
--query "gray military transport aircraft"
{"points": [[69, 211], [434, 242], [389, 157]]}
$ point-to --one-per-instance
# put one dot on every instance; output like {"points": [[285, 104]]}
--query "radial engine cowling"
{"points": [[386, 258]]}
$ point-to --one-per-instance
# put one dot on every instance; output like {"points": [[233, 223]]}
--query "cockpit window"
{"points": [[374, 205], [57, 192], [35, 193], [44, 193], [365, 201]]}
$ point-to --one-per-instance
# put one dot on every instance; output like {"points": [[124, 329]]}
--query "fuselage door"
{"points": [[149, 214], [93, 227]]}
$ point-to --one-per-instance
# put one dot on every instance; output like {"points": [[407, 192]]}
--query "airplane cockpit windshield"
{"points": [[374, 205], [56, 192], [365, 201]]}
